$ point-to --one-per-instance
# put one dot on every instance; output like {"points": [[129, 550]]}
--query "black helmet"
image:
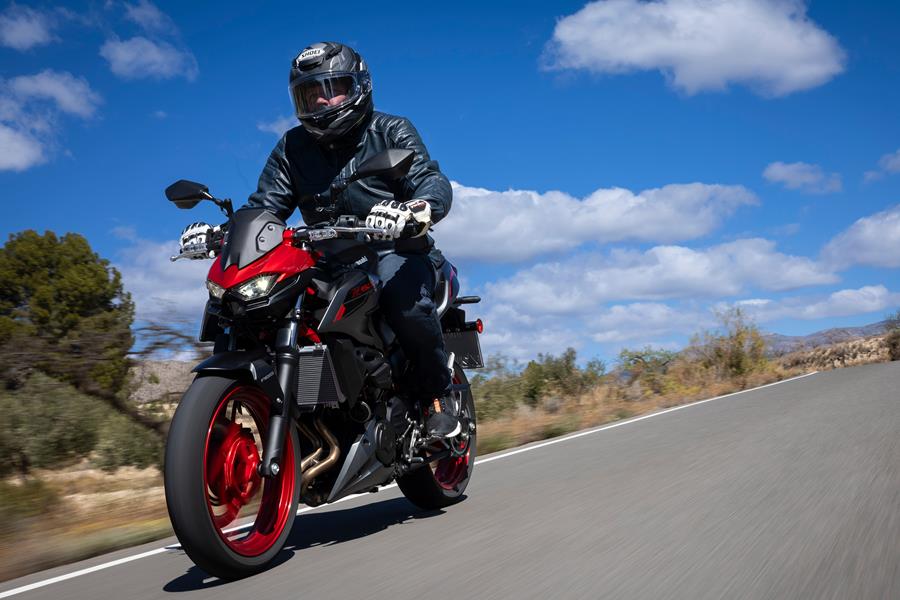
{"points": [[331, 90]]}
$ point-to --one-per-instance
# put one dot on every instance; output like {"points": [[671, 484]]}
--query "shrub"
{"points": [[559, 374], [499, 389], [893, 343], [736, 349], [645, 368], [892, 339], [124, 443], [46, 423]]}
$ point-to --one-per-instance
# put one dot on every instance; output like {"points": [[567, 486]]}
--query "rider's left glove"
{"points": [[400, 220], [195, 240]]}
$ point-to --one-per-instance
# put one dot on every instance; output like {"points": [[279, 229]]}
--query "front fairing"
{"points": [[255, 244]]}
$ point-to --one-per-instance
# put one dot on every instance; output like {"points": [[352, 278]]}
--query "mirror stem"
{"points": [[225, 206]]}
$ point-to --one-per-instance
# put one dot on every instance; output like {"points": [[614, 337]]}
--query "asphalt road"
{"points": [[791, 491]]}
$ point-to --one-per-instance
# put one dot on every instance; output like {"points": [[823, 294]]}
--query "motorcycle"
{"points": [[307, 395]]}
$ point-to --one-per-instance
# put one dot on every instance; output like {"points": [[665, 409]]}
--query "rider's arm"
{"points": [[425, 179], [274, 192]]}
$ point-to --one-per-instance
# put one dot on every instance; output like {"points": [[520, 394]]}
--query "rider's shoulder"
{"points": [[383, 122]]}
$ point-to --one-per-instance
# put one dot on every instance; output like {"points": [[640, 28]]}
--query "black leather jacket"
{"points": [[298, 168]]}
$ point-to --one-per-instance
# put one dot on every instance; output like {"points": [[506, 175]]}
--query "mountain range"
{"points": [[782, 344]]}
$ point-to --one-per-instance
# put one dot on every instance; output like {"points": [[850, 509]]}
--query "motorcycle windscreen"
{"points": [[253, 233]]}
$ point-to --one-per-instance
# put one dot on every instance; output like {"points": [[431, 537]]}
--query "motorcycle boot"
{"points": [[443, 418]]}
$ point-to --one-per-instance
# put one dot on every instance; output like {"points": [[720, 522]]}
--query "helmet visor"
{"points": [[316, 95]]}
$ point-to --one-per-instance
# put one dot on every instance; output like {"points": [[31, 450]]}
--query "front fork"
{"points": [[286, 357]]}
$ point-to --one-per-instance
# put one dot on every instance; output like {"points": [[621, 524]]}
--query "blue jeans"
{"points": [[407, 303]]}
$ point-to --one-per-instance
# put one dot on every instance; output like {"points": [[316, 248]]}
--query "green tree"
{"points": [[63, 311], [64, 314]]}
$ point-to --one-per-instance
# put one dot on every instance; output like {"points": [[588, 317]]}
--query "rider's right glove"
{"points": [[195, 241]]}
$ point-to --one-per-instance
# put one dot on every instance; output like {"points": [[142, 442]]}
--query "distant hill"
{"points": [[782, 344]]}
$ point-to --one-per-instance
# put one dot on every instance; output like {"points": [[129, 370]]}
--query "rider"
{"points": [[332, 95]]}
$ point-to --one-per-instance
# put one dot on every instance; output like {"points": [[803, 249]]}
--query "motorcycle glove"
{"points": [[195, 240], [400, 219]]}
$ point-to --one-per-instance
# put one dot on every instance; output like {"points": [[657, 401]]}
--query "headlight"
{"points": [[215, 290], [256, 287]]}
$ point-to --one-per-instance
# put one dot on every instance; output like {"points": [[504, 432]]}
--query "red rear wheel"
{"points": [[230, 521], [443, 482]]}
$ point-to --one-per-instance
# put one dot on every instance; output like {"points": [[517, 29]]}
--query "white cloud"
{"points": [[645, 320], [279, 125], [887, 164], [23, 28], [804, 177], [139, 58], [148, 16], [30, 110], [18, 150], [872, 240], [580, 284], [71, 94], [843, 303], [516, 225], [522, 336], [700, 45], [163, 290], [159, 114]]}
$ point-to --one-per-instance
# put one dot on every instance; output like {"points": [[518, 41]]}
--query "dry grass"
{"points": [[86, 512], [607, 403]]}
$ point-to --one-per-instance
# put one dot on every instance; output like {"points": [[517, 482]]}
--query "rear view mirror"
{"points": [[389, 164], [186, 194]]}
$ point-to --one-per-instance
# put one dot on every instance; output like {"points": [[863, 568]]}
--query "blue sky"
{"points": [[622, 169]]}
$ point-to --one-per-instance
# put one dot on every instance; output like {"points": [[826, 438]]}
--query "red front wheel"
{"points": [[229, 520]]}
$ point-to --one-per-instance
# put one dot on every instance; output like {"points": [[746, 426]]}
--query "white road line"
{"points": [[487, 459], [40, 584]]}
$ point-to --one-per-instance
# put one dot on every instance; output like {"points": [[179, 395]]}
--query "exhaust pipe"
{"points": [[334, 453], [317, 443]]}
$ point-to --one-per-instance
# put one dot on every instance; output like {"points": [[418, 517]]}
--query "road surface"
{"points": [[789, 491]]}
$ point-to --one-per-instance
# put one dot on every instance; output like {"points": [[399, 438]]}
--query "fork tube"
{"points": [[286, 357]]}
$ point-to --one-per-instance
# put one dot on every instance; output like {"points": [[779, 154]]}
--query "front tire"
{"points": [[212, 486], [442, 483]]}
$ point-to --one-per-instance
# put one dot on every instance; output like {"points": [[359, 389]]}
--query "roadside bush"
{"points": [[124, 443], [501, 387], [734, 350], [45, 423], [49, 424], [560, 374], [892, 339], [645, 369], [497, 389], [893, 343]]}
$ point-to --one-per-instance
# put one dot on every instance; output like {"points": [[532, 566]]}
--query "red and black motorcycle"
{"points": [[305, 398]]}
